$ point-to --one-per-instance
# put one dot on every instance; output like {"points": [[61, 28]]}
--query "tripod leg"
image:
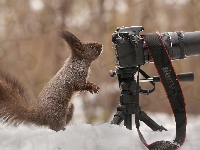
{"points": [[149, 122], [128, 121], [118, 117]]}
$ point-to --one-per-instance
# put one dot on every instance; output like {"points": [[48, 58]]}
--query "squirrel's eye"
{"points": [[91, 47]]}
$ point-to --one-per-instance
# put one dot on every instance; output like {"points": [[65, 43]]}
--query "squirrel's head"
{"points": [[88, 51]]}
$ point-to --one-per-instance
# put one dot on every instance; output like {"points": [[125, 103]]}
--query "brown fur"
{"points": [[53, 107]]}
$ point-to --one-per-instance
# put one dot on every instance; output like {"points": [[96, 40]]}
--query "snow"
{"points": [[100, 137]]}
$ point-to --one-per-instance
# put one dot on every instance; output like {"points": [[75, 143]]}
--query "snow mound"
{"points": [[100, 137]]}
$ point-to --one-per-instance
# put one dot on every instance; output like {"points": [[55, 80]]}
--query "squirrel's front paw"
{"points": [[93, 88]]}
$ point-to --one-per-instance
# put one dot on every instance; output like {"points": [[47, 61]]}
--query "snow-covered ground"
{"points": [[100, 137]]}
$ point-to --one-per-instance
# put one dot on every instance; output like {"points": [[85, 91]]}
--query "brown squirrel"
{"points": [[53, 107]]}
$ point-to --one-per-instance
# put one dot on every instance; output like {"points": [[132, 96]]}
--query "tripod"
{"points": [[129, 100]]}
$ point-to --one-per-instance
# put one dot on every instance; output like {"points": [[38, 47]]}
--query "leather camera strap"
{"points": [[162, 62]]}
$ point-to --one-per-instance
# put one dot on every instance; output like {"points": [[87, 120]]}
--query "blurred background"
{"points": [[31, 51]]}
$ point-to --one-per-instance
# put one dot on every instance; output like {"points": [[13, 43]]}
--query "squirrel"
{"points": [[54, 107]]}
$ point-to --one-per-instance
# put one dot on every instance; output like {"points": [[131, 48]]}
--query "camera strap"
{"points": [[162, 62]]}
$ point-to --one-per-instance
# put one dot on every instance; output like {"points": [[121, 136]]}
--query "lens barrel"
{"points": [[179, 45]]}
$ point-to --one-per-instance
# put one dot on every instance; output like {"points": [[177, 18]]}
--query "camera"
{"points": [[131, 51]]}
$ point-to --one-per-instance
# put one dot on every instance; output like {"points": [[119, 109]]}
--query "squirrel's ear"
{"points": [[71, 39]]}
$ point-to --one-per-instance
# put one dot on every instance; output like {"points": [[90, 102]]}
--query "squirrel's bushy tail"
{"points": [[14, 107]]}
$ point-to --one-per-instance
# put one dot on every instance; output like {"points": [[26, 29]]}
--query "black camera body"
{"points": [[129, 47]]}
